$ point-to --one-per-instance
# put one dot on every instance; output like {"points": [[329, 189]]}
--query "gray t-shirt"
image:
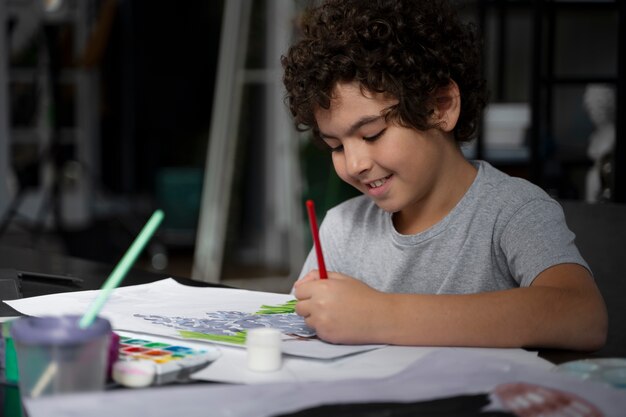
{"points": [[501, 235]]}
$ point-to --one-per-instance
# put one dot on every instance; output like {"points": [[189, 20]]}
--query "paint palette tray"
{"points": [[172, 362]]}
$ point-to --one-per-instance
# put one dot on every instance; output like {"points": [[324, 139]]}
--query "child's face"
{"points": [[399, 168]]}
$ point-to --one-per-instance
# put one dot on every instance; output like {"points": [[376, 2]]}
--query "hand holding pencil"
{"points": [[338, 308]]}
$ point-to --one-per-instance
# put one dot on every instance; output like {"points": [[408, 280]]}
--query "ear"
{"points": [[447, 106]]}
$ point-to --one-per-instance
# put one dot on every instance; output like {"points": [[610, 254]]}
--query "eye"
{"points": [[374, 137], [338, 147]]}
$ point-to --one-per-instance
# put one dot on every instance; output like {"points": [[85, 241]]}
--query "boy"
{"points": [[439, 250]]}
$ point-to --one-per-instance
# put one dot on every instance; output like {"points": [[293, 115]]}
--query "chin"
{"points": [[387, 206]]}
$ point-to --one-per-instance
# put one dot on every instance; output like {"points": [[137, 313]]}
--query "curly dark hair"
{"points": [[405, 49]]}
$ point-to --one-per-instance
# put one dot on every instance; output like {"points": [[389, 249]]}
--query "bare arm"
{"points": [[563, 309]]}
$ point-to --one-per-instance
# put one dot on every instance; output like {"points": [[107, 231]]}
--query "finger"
{"points": [[310, 276], [338, 276], [303, 291], [302, 309]]}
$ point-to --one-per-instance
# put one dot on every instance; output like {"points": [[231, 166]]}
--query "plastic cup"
{"points": [[56, 356]]}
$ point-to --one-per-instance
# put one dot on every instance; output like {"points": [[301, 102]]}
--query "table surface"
{"points": [[93, 275]]}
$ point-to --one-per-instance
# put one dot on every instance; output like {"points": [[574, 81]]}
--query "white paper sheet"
{"points": [[441, 373], [168, 298]]}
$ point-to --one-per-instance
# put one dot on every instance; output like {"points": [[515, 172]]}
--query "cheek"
{"points": [[340, 167]]}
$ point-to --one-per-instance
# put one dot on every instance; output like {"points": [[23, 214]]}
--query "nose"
{"points": [[358, 159]]}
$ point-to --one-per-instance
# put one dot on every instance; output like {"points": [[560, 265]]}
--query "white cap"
{"points": [[264, 349]]}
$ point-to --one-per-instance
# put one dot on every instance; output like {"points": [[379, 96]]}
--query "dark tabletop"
{"points": [[80, 275]]}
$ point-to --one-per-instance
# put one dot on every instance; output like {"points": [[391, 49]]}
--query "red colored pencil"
{"points": [[310, 208]]}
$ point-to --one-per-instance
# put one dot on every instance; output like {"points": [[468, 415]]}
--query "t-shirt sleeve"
{"points": [[535, 238]]}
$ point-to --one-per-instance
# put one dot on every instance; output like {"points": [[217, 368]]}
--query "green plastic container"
{"points": [[9, 368]]}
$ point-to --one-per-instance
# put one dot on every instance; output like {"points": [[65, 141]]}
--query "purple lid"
{"points": [[57, 330]]}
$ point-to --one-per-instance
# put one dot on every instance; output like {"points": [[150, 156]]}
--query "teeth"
{"points": [[377, 183]]}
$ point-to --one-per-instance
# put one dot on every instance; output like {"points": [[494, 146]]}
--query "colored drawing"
{"points": [[238, 339], [288, 307], [231, 326]]}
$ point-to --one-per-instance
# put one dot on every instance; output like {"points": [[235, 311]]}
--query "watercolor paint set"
{"points": [[171, 362]]}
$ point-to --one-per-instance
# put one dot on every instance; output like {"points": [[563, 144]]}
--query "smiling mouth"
{"points": [[378, 183]]}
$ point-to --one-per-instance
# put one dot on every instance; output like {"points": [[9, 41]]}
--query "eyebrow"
{"points": [[355, 126]]}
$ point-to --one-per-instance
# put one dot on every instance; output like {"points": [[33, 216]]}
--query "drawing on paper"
{"points": [[231, 326]]}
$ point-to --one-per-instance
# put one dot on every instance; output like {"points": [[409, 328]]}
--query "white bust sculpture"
{"points": [[599, 101]]}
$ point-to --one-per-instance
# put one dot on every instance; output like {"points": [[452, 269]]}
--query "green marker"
{"points": [[113, 281]]}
